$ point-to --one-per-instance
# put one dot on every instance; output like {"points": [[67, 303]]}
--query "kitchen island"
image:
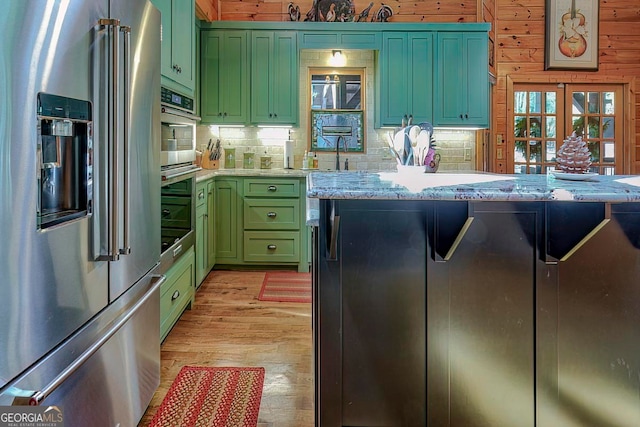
{"points": [[476, 300]]}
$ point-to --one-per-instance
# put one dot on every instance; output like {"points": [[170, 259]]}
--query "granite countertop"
{"points": [[470, 186], [205, 174]]}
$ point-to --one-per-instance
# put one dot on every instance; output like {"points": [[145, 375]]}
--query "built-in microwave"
{"points": [[178, 134]]}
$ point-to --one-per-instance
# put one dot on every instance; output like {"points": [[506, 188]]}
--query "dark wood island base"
{"points": [[477, 313]]}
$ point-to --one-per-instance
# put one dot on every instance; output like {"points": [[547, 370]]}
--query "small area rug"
{"points": [[212, 397], [286, 286]]}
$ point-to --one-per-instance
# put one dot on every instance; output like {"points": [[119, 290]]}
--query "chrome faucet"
{"points": [[338, 151], [344, 144]]}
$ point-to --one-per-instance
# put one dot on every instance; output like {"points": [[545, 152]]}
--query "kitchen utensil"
{"points": [[393, 150]]}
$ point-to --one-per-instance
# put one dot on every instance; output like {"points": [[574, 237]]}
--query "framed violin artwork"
{"points": [[571, 37]]}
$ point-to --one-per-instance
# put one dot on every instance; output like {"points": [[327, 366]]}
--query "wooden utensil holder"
{"points": [[209, 164]]}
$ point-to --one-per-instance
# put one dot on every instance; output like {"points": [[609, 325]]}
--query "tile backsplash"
{"points": [[456, 147]]}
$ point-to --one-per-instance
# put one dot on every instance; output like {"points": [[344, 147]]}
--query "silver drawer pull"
{"points": [[271, 214], [201, 195], [272, 247], [175, 295], [272, 188], [166, 212]]}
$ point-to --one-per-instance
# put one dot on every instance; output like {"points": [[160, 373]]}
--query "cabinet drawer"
{"points": [[180, 187], [176, 212], [271, 246], [268, 214], [271, 188], [176, 292], [201, 194]]}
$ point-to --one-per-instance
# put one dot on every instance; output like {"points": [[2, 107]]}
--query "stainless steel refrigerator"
{"points": [[79, 207]]}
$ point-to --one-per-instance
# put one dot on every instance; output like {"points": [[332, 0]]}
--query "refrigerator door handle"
{"points": [[34, 398], [112, 253], [126, 249]]}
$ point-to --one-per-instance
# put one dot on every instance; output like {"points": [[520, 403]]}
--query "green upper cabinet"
{"points": [[405, 80], [274, 77], [177, 63], [224, 85], [462, 80]]}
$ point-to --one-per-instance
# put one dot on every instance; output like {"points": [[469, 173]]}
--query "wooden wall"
{"points": [[518, 36]]}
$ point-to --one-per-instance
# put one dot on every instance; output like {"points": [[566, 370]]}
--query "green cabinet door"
{"points": [[211, 225], [393, 79], [183, 43], [224, 85], [274, 77], [226, 220], [462, 76], [405, 78], [177, 62]]}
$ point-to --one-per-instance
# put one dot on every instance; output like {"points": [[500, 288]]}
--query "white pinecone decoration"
{"points": [[573, 156]]}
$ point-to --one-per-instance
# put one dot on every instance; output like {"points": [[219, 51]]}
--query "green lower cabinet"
{"points": [[177, 292], [227, 209], [205, 229], [272, 246]]}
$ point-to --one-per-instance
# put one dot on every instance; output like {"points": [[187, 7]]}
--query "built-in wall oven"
{"points": [[178, 145]]}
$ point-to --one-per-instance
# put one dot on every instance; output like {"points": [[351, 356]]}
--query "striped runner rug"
{"points": [[286, 286], [213, 397]]}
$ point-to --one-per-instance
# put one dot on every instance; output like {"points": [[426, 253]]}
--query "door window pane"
{"points": [[578, 125], [520, 127], [551, 127], [535, 102], [594, 148], [535, 151], [594, 127], [608, 127], [520, 102], [578, 102], [609, 152], [520, 154], [551, 151], [609, 98], [594, 102], [550, 103], [535, 127]]}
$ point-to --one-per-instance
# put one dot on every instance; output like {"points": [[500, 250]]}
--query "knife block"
{"points": [[209, 164]]}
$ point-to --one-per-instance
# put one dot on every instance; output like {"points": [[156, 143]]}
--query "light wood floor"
{"points": [[229, 327]]}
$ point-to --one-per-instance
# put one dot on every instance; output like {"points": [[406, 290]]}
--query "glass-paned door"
{"points": [[545, 114], [537, 127], [596, 115]]}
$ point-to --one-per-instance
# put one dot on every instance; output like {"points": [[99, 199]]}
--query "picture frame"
{"points": [[571, 34]]}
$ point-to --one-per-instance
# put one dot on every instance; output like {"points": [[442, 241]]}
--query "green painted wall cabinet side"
{"points": [[177, 64], [224, 85], [211, 224], [405, 78], [274, 77], [462, 84], [202, 230]]}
